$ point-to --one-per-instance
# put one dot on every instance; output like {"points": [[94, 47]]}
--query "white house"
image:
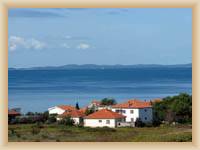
{"points": [[60, 109], [76, 115], [103, 118], [134, 109]]}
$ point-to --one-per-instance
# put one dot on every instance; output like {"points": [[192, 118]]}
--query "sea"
{"points": [[37, 90]]}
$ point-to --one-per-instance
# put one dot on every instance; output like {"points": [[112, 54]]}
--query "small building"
{"points": [[76, 115], [134, 109], [103, 118], [12, 114], [98, 106], [94, 104], [60, 109]]}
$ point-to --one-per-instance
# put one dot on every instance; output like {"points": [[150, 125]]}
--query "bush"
{"points": [[148, 125], [12, 131], [30, 118], [100, 129], [89, 111], [67, 121], [51, 119], [18, 134], [139, 123], [35, 130], [57, 140]]}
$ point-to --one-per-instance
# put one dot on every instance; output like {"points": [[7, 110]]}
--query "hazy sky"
{"points": [[52, 37]]}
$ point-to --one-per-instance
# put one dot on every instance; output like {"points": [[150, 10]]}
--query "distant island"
{"points": [[94, 66]]}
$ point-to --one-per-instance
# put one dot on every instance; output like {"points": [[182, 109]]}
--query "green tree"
{"points": [[67, 121], [77, 106], [177, 108], [108, 101], [45, 115], [30, 113], [89, 110]]}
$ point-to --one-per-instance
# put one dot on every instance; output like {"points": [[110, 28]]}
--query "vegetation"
{"points": [[77, 106], [67, 121], [89, 110], [62, 133], [172, 118], [173, 109], [139, 123], [108, 101]]}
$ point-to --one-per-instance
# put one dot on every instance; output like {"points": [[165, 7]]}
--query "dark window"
{"points": [[107, 121], [117, 111], [100, 121], [145, 110], [145, 118], [132, 119], [131, 111]]}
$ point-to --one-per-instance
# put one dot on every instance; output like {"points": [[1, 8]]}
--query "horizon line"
{"points": [[98, 65]]}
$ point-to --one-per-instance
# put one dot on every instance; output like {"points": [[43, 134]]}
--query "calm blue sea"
{"points": [[37, 90]]}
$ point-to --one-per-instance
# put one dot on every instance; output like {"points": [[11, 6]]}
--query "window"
{"points": [[131, 111], [123, 111], [132, 119], [107, 121], [145, 118], [100, 121], [145, 110]]}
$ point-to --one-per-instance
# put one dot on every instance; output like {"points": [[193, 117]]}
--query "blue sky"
{"points": [[53, 37]]}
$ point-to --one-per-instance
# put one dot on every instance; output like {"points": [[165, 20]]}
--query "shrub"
{"points": [[67, 121], [89, 111], [39, 125], [35, 130], [18, 134], [148, 124], [100, 129], [51, 119], [12, 131], [139, 123], [57, 140]]}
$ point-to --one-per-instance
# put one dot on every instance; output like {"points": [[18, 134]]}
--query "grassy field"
{"points": [[61, 133]]}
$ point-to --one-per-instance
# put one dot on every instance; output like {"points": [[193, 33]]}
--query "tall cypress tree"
{"points": [[77, 106]]}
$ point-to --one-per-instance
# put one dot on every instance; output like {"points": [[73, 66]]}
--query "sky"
{"points": [[128, 36]]}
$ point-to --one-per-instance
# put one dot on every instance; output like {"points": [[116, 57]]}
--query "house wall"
{"points": [[146, 114], [128, 114], [76, 120], [96, 123], [104, 107], [56, 110]]}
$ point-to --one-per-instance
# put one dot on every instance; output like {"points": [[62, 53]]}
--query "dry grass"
{"points": [[61, 133]]}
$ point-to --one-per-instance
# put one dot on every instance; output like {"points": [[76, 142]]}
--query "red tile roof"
{"points": [[13, 112], [83, 110], [104, 114], [73, 113], [133, 104], [67, 107]]}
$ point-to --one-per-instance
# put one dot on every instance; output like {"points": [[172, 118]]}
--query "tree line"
{"points": [[173, 109]]}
